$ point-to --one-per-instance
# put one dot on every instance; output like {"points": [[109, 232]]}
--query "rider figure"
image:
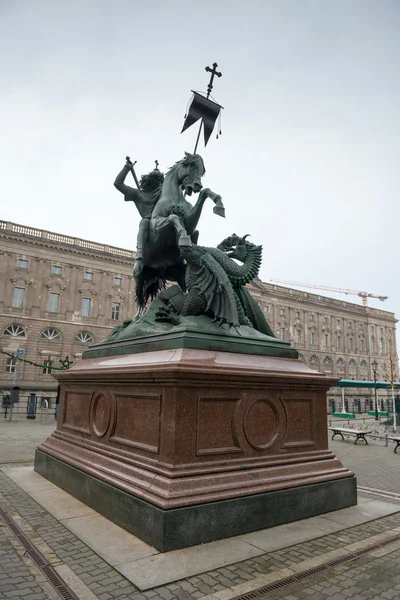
{"points": [[145, 198]]}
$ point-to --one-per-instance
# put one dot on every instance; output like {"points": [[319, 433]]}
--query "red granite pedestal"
{"points": [[186, 446]]}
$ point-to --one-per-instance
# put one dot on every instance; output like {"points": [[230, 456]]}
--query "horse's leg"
{"points": [[183, 237]]}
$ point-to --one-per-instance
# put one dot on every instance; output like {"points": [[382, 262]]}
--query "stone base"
{"points": [[178, 528], [178, 432]]}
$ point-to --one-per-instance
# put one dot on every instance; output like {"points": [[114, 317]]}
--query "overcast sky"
{"points": [[308, 162]]}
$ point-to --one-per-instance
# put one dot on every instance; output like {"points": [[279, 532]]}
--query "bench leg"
{"points": [[337, 433], [397, 445], [361, 437]]}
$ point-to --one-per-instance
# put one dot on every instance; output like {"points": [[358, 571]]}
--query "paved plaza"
{"points": [[53, 546]]}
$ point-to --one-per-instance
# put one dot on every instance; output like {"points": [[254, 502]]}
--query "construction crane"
{"points": [[363, 295]]}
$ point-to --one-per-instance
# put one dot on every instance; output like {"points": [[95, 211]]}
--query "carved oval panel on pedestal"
{"points": [[261, 424], [101, 413]]}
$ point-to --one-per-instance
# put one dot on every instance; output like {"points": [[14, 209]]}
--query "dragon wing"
{"points": [[214, 284]]}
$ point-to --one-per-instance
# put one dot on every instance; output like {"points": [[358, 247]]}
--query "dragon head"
{"points": [[235, 246]]}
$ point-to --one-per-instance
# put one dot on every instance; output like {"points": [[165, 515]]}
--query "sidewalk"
{"points": [[48, 536]]}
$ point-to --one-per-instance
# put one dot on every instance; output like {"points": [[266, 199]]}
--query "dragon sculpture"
{"points": [[215, 286]]}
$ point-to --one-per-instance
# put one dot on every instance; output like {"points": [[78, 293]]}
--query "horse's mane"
{"points": [[188, 161]]}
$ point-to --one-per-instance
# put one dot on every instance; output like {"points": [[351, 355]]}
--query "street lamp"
{"points": [[374, 368]]}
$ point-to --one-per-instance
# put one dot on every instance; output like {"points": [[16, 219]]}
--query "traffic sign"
{"points": [[20, 352]]}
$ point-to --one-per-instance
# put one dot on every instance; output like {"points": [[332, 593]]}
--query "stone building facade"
{"points": [[59, 293], [340, 338]]}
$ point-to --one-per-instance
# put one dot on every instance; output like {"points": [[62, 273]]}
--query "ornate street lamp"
{"points": [[374, 366]]}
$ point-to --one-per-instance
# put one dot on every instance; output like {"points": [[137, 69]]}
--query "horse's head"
{"points": [[190, 170]]}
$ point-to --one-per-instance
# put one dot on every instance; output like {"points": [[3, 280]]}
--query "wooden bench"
{"points": [[360, 435], [397, 440]]}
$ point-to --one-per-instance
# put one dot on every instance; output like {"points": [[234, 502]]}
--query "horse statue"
{"points": [[168, 223]]}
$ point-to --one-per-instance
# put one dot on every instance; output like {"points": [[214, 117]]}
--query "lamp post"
{"points": [[374, 368], [393, 398]]}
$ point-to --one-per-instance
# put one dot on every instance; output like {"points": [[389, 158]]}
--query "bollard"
{"points": [[386, 440], [31, 408], [46, 406]]}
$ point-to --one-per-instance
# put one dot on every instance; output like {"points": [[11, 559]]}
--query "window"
{"points": [[266, 309], [312, 337], [350, 324], [325, 319], [326, 340], [372, 345], [11, 364], [338, 341], [86, 305], [361, 345], [88, 275], [297, 335], [337, 321], [22, 263], [350, 343], [297, 315], [314, 360], [327, 360], [115, 311], [84, 337], [281, 311], [340, 361], [311, 317], [117, 281], [352, 363], [381, 345], [15, 331], [56, 270], [50, 334], [301, 357], [282, 334], [363, 363], [47, 367], [18, 297], [53, 302]]}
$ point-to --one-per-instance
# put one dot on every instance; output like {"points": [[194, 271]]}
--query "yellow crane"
{"points": [[363, 295]]}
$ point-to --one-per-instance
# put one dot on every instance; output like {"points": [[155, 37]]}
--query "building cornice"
{"points": [[82, 324], [322, 302], [54, 241]]}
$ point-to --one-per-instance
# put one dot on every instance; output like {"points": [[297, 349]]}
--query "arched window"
{"points": [[15, 331], [84, 337], [314, 360], [50, 334], [340, 361], [363, 363], [301, 357], [352, 363], [381, 345], [327, 360]]}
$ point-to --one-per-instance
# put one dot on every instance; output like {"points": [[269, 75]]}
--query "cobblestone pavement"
{"points": [[19, 439], [375, 575], [376, 467]]}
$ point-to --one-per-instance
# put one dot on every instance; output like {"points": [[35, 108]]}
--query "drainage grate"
{"points": [[56, 581], [315, 571]]}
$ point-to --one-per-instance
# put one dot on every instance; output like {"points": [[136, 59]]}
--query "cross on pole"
{"points": [[213, 72], [157, 163]]}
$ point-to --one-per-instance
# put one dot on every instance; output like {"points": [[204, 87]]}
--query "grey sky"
{"points": [[308, 159]]}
